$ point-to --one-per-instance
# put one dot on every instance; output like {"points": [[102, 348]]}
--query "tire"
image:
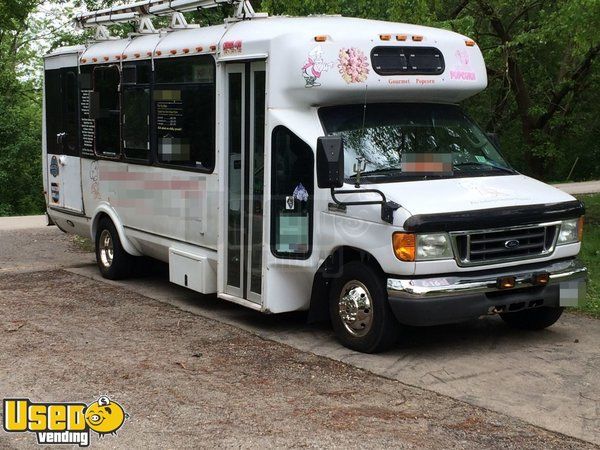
{"points": [[367, 330], [533, 319], [112, 259]]}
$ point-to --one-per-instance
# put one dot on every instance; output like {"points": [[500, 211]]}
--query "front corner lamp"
{"points": [[421, 247], [571, 231]]}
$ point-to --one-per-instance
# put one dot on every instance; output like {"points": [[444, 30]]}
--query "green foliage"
{"points": [[590, 252]]}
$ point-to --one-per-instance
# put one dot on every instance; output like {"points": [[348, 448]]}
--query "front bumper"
{"points": [[456, 298]]}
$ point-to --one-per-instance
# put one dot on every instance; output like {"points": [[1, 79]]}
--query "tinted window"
{"points": [[53, 110], [106, 88], [292, 195], [407, 61], [135, 120], [62, 111], [195, 69], [184, 112]]}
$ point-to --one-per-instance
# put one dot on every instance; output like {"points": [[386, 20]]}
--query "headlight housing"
{"points": [[422, 247], [571, 231]]}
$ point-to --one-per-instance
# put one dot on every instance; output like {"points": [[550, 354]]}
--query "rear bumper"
{"points": [[456, 298]]}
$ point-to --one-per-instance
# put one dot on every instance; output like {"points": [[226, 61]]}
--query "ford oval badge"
{"points": [[512, 244]]}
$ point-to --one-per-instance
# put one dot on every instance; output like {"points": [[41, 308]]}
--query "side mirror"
{"points": [[493, 137], [330, 162]]}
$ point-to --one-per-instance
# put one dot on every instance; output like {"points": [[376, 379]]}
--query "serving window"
{"points": [[184, 112]]}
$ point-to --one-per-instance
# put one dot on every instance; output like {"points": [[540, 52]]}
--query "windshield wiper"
{"points": [[479, 164], [379, 172]]}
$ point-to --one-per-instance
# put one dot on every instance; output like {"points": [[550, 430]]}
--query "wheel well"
{"points": [[95, 223], [330, 270]]}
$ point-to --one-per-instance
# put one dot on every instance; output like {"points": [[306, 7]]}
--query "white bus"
{"points": [[316, 164]]}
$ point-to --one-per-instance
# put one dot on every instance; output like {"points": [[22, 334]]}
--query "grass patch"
{"points": [[590, 252]]}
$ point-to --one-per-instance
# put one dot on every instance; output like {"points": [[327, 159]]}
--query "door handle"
{"points": [[60, 137]]}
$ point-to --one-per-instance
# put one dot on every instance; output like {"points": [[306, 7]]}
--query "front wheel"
{"points": [[360, 314], [533, 319], [113, 261]]}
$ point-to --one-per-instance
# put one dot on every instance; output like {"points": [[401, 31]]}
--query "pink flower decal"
{"points": [[353, 65]]}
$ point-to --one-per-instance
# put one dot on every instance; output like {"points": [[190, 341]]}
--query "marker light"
{"points": [[199, 49], [320, 38], [541, 279], [385, 37], [580, 228], [404, 246], [173, 52], [401, 37], [186, 50], [417, 38], [470, 43], [506, 282]]}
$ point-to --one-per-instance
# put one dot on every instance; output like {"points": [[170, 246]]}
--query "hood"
{"points": [[469, 194]]}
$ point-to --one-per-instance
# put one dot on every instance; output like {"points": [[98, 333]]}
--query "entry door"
{"points": [[62, 137], [245, 118]]}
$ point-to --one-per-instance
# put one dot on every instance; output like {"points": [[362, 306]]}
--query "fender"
{"points": [[112, 214]]}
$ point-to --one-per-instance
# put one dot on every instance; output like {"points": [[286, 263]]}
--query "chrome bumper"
{"points": [[419, 288]]}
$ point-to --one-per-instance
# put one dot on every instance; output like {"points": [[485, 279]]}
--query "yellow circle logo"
{"points": [[104, 416]]}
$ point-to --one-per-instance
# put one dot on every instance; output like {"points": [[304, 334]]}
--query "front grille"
{"points": [[500, 245]]}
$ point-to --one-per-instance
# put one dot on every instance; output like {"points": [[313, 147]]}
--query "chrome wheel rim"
{"points": [[356, 308], [106, 249]]}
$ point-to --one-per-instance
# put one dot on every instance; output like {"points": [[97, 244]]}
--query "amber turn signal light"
{"points": [[580, 228], [404, 246], [506, 282], [541, 279]]}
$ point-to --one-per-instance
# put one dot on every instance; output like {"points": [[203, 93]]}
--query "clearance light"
{"points": [[137, 55], [95, 59], [320, 38], [117, 57], [149, 53], [541, 279], [213, 48], [417, 38], [124, 56], [158, 52], [83, 60], [106, 58], [199, 49], [385, 37], [173, 52], [404, 246], [186, 50], [506, 282], [401, 37], [470, 43]]}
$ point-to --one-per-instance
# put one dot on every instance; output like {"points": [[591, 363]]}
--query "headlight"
{"points": [[421, 247], [433, 246], [571, 231]]}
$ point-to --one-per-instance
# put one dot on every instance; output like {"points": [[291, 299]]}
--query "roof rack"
{"points": [[143, 11]]}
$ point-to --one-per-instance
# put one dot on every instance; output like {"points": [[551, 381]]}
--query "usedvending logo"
{"points": [[63, 423]]}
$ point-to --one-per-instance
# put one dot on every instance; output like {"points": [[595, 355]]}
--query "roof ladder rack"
{"points": [[143, 11]]}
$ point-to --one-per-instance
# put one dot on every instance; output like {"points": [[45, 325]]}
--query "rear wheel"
{"points": [[533, 319], [113, 261], [360, 314]]}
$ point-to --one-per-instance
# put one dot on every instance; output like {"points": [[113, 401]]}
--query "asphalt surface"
{"points": [[548, 379]]}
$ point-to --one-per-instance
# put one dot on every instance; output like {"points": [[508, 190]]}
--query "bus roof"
{"points": [[319, 59]]}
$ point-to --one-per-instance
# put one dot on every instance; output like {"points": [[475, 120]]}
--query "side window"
{"points": [[62, 111], [54, 111], [184, 107], [292, 196], [135, 118], [106, 92]]}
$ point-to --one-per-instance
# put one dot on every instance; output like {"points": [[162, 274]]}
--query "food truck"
{"points": [[318, 164]]}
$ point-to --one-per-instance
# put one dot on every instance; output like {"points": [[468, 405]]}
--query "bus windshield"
{"points": [[407, 142]]}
